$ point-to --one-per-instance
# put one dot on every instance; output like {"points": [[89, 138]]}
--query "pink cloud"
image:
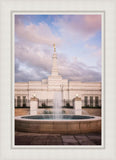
{"points": [[84, 26], [97, 53], [33, 56], [40, 33], [92, 47], [92, 23]]}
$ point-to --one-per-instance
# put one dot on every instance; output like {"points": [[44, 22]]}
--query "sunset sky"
{"points": [[78, 46]]}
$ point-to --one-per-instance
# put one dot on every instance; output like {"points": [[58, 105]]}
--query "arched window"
{"points": [[18, 101], [91, 101], [86, 100], [24, 101], [96, 101]]}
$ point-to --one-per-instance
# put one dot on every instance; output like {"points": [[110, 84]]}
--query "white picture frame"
{"points": [[13, 14], [7, 81]]}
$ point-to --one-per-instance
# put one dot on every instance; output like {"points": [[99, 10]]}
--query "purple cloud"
{"points": [[35, 64], [85, 26]]}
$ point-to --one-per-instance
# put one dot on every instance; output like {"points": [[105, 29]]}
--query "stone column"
{"points": [[21, 101], [33, 106], [88, 101], [78, 105], [94, 101]]}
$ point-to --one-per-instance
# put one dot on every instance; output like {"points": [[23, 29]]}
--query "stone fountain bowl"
{"points": [[69, 124]]}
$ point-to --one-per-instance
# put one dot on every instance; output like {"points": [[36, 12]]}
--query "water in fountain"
{"points": [[57, 108]]}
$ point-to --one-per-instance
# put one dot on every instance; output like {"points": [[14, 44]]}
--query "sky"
{"points": [[78, 47]]}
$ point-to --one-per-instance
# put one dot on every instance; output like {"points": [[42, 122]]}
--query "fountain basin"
{"points": [[69, 124]]}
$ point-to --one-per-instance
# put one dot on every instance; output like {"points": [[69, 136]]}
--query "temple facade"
{"points": [[44, 90]]}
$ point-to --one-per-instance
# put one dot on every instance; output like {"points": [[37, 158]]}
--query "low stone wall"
{"points": [[85, 111], [91, 111], [58, 127], [22, 111]]}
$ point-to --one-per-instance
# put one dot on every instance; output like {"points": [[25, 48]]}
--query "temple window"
{"points": [[24, 101], [96, 101], [86, 100], [18, 101], [91, 101]]}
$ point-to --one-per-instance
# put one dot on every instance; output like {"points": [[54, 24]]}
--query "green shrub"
{"points": [[50, 112], [22, 107], [68, 107], [67, 104], [91, 107], [45, 106], [47, 112]]}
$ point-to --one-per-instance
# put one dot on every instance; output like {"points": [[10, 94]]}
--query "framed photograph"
{"points": [[57, 80]]}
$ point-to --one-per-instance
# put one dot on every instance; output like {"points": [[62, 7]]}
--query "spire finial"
{"points": [[54, 47]]}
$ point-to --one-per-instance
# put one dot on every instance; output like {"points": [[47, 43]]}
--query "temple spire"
{"points": [[54, 63], [54, 48]]}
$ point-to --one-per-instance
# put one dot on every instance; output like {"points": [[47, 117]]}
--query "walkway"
{"points": [[22, 138]]}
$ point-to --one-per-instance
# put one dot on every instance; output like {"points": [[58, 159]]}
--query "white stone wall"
{"points": [[44, 90]]}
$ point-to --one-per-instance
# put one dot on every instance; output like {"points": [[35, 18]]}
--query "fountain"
{"points": [[57, 107], [58, 123]]}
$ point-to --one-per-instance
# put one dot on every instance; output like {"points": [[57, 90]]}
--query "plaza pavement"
{"points": [[23, 138]]}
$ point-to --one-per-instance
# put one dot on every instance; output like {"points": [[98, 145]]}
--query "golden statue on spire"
{"points": [[54, 47]]}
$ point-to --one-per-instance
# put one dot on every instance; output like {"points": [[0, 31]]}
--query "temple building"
{"points": [[44, 90]]}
